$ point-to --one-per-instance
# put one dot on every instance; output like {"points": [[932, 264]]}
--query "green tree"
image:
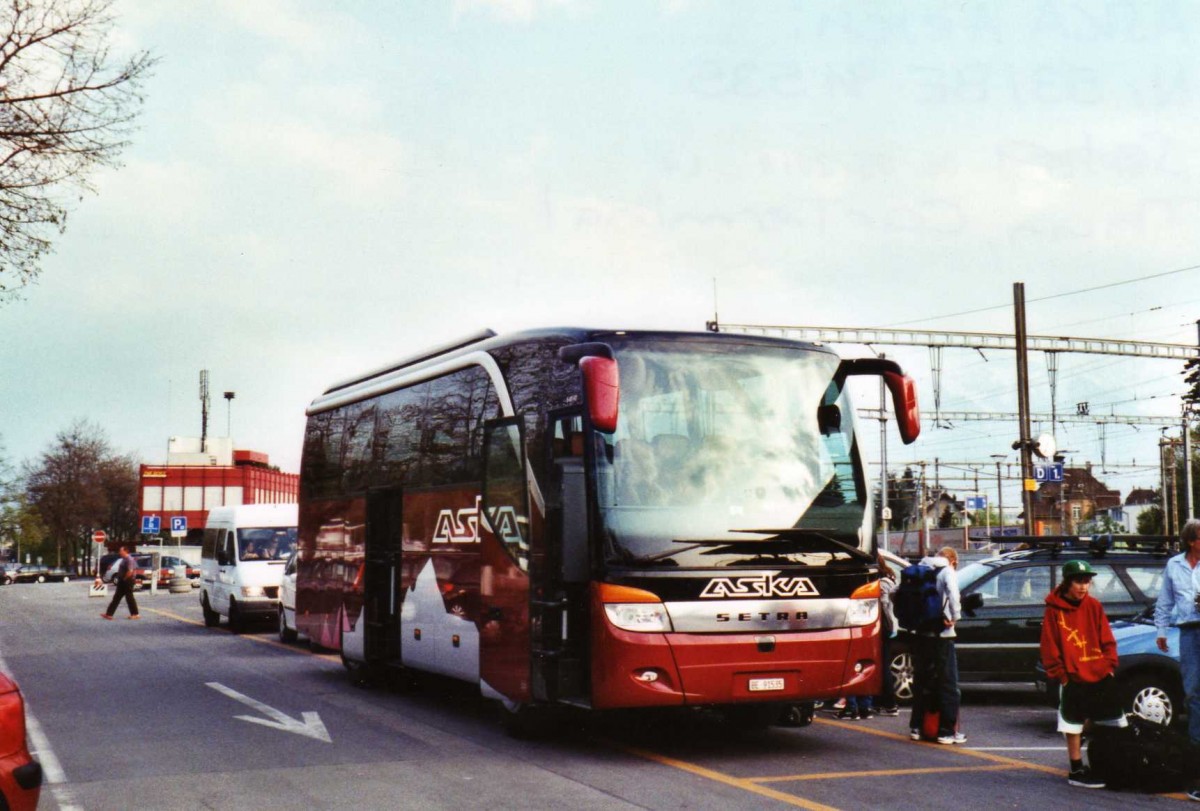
{"points": [[67, 107], [1150, 521]]}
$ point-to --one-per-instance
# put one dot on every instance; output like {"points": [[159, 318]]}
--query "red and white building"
{"points": [[195, 479]]}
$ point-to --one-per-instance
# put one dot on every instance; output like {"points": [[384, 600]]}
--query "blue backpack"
{"points": [[916, 601]]}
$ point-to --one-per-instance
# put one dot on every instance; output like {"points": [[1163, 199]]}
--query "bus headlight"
{"points": [[643, 617], [862, 612], [864, 605]]}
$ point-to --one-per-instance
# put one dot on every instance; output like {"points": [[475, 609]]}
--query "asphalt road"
{"points": [[165, 713]]}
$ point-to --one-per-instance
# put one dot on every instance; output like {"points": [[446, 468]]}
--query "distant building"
{"points": [[195, 479], [1059, 508], [1137, 502]]}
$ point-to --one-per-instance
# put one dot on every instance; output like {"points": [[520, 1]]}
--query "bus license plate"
{"points": [[764, 685]]}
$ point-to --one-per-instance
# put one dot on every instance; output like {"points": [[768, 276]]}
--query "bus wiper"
{"points": [[803, 533], [692, 543]]}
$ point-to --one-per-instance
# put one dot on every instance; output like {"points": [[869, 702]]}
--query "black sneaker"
{"points": [[889, 711], [1194, 794], [866, 715], [847, 714], [1083, 778]]}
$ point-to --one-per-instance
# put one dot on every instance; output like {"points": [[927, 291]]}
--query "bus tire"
{"points": [[235, 617], [797, 715], [211, 618]]}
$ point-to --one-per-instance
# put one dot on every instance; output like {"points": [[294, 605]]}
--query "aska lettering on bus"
{"points": [[462, 526], [760, 585]]}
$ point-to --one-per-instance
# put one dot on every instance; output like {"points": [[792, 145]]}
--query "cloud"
{"points": [[511, 11]]}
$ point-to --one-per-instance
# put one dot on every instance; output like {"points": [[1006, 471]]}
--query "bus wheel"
{"points": [[797, 715], [523, 722], [235, 616], [211, 618]]}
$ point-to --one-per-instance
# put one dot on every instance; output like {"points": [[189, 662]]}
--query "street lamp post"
{"points": [[999, 457], [229, 395]]}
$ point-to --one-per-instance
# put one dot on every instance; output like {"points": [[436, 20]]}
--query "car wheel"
{"points": [[902, 675], [41, 578], [211, 618], [1147, 696], [66, 579], [286, 634], [8, 581], [235, 617]]}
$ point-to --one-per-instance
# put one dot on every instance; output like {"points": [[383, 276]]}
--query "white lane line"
{"points": [[1018, 748], [56, 778], [52, 770]]}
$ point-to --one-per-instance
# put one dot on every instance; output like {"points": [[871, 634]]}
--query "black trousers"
{"points": [[124, 589], [935, 682]]}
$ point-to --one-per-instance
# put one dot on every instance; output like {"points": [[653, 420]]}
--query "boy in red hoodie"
{"points": [[1078, 651]]}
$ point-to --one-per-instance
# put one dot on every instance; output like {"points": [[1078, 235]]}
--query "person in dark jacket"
{"points": [[1079, 652], [125, 582]]}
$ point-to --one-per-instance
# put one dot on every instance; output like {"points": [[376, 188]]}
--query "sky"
{"points": [[318, 188]]}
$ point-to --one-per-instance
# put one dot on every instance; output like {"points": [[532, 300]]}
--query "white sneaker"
{"points": [[957, 737]]}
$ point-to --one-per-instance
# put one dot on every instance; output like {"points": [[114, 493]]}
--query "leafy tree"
{"points": [[67, 107], [78, 485], [1102, 525], [1150, 521]]}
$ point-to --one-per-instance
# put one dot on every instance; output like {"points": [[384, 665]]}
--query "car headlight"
{"points": [[252, 591]]}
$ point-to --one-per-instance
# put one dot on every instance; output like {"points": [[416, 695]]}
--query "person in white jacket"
{"points": [[935, 664]]}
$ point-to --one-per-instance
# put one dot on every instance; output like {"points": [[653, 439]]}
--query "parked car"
{"points": [[1003, 599], [29, 573], [170, 563], [287, 601], [20, 774]]}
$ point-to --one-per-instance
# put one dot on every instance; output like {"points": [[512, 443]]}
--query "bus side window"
{"points": [[504, 498]]}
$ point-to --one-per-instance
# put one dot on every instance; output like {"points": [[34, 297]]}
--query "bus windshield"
{"points": [[730, 454]]}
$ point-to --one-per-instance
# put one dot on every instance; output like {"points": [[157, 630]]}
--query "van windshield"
{"points": [[266, 543]]}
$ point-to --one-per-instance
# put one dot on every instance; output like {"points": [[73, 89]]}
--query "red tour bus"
{"points": [[605, 519]]}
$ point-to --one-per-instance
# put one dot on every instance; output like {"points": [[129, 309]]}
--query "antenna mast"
{"points": [[204, 410]]}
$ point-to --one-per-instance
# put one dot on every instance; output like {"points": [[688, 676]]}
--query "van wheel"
{"points": [[236, 623], [211, 618], [286, 634]]}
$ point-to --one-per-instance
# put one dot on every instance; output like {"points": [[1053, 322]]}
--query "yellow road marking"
{"points": [[329, 657], [729, 780], [882, 773], [958, 750]]}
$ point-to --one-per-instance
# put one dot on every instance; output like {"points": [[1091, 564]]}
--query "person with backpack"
{"points": [[124, 578], [1179, 604], [927, 605], [1079, 652], [889, 629]]}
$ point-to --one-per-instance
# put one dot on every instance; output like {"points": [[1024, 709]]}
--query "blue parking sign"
{"points": [[151, 524], [178, 525]]}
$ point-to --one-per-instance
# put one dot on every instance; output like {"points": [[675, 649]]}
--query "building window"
{"points": [[1076, 512]]}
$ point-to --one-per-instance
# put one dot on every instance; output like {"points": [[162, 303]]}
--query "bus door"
{"points": [[381, 576], [504, 621], [560, 575]]}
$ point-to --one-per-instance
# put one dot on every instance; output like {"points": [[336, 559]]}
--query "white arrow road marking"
{"points": [[310, 727]]}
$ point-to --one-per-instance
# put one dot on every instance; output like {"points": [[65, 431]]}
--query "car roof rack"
{"points": [[1096, 545]]}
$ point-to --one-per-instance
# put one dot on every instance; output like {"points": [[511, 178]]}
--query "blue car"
{"points": [[1150, 680]]}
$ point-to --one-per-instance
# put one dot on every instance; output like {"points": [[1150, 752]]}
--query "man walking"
{"points": [[125, 581], [935, 664], [1179, 605], [1079, 652]]}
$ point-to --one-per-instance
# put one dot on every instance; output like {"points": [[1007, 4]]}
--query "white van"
{"points": [[242, 558]]}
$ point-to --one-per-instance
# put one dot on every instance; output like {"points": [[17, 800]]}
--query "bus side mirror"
{"points": [[904, 402], [602, 388], [601, 381]]}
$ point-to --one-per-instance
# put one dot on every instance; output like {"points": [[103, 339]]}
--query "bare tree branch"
{"points": [[67, 108]]}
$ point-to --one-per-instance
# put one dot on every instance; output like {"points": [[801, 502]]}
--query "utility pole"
{"points": [[999, 457], [1023, 405], [921, 530], [885, 512]]}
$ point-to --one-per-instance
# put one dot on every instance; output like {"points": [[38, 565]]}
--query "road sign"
{"points": [[99, 536], [1048, 473], [178, 526], [976, 502], [151, 524]]}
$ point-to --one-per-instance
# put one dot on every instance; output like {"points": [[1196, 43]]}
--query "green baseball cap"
{"points": [[1077, 568]]}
